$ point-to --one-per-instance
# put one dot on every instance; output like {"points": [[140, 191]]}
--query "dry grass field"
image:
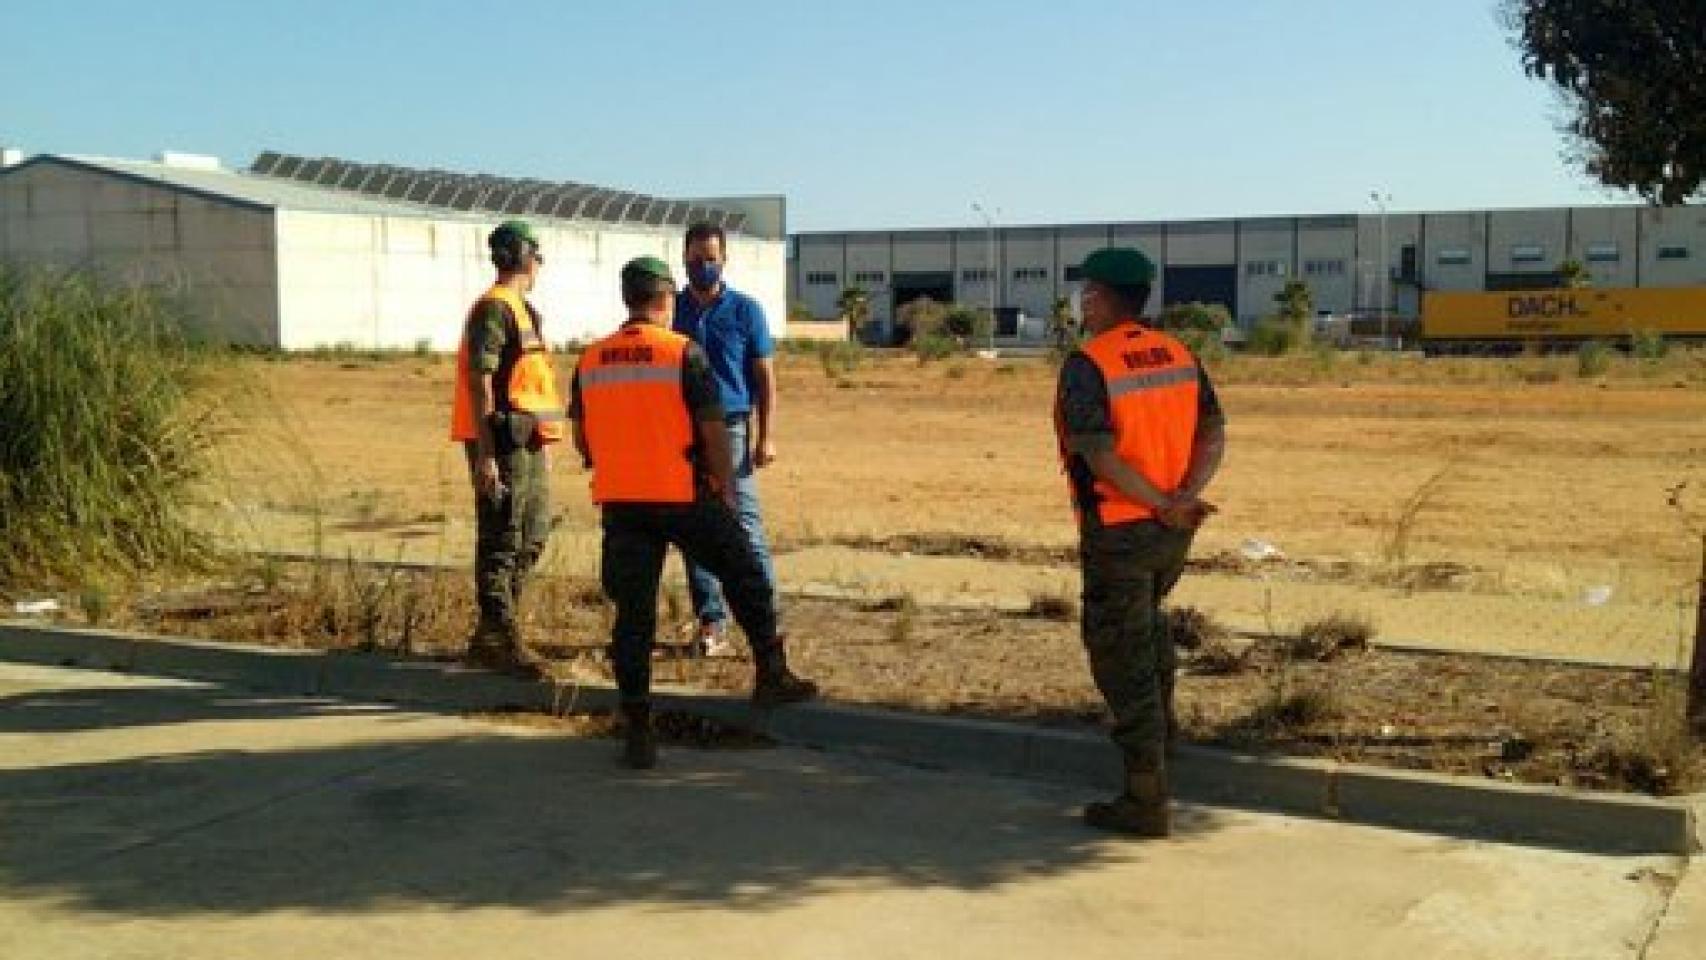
{"points": [[940, 482], [1503, 507]]}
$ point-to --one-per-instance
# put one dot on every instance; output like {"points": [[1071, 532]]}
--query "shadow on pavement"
{"points": [[288, 804]]}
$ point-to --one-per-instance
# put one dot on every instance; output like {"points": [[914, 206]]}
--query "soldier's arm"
{"points": [[1209, 446], [705, 406], [576, 418]]}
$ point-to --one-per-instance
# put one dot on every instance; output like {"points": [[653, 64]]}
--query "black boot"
{"points": [[1141, 810], [639, 745], [777, 685]]}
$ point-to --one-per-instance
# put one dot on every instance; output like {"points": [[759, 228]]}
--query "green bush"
{"points": [[106, 429], [1649, 345], [1273, 338], [935, 346], [918, 318], [840, 357], [1593, 359], [1206, 345], [969, 325]]}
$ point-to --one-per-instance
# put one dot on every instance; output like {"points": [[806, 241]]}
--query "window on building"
{"points": [[875, 278], [1673, 251], [1074, 273], [1030, 274], [977, 275], [1264, 268], [1528, 253], [821, 278], [1324, 268], [1601, 253], [1453, 257]]}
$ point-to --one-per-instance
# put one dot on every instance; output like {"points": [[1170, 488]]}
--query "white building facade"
{"points": [[1354, 264], [275, 262]]}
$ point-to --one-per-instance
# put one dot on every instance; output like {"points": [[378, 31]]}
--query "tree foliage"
{"points": [[1633, 73]]}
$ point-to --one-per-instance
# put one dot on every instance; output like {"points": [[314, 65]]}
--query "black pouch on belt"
{"points": [[513, 430]]}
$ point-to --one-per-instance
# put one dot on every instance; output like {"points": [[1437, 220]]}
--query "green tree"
{"points": [[1296, 310], [1574, 274], [854, 305], [1633, 73]]}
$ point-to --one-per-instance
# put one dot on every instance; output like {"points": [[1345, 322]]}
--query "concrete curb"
{"points": [[1450, 806]]}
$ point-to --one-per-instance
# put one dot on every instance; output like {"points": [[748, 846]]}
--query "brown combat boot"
{"points": [[1141, 810], [777, 685], [639, 741], [501, 651]]}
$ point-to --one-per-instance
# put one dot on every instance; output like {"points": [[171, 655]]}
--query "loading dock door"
{"points": [[938, 286], [1215, 283]]}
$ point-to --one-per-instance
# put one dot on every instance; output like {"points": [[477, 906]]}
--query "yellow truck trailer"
{"points": [[1497, 322]]}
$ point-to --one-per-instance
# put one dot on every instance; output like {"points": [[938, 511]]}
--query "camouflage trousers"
{"points": [[708, 533], [1129, 569], [510, 537]]}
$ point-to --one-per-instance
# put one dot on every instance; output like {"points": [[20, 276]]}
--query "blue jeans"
{"points": [[707, 592]]}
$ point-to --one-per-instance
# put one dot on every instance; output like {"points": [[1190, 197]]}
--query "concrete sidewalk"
{"points": [[145, 818]]}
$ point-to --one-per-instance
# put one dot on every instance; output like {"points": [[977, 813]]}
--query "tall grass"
{"points": [[103, 429]]}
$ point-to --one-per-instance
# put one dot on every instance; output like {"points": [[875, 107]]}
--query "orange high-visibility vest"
{"points": [[532, 384], [635, 418], [1153, 390]]}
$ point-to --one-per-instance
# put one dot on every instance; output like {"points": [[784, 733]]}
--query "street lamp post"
{"points": [[994, 273], [1383, 275]]}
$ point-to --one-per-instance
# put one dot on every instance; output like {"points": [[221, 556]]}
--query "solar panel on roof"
{"points": [[266, 163], [333, 172], [526, 196]]}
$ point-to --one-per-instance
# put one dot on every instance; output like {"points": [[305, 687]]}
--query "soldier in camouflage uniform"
{"points": [[649, 421], [507, 413], [1141, 435]]}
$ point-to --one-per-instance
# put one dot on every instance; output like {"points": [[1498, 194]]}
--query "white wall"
{"points": [[216, 257], [384, 281]]}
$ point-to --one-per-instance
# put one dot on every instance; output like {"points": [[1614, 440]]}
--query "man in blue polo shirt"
{"points": [[730, 327]]}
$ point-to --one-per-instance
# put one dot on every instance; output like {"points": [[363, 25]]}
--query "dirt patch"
{"points": [[1507, 719]]}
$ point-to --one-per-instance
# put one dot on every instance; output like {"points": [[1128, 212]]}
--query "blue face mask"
{"points": [[704, 275]]}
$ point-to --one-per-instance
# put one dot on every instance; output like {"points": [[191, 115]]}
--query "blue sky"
{"points": [[865, 114]]}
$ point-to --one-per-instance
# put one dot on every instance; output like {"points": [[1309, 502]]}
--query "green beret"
{"points": [[1119, 267]]}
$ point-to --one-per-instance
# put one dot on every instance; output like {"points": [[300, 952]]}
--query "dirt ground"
{"points": [[925, 544], [1509, 719], [1547, 528]]}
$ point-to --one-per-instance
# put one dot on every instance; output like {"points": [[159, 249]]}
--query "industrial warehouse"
{"points": [[297, 253], [1366, 265]]}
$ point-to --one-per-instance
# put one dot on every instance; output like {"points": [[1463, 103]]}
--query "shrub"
{"points": [[1205, 345], [1649, 345], [1202, 317], [105, 428], [934, 346], [1593, 359], [1273, 338], [840, 357], [969, 325], [1327, 637]]}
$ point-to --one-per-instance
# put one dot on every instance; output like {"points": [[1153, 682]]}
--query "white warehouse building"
{"points": [[1354, 264], [297, 253]]}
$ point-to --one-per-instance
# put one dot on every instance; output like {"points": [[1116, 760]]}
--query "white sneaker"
{"points": [[714, 641]]}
